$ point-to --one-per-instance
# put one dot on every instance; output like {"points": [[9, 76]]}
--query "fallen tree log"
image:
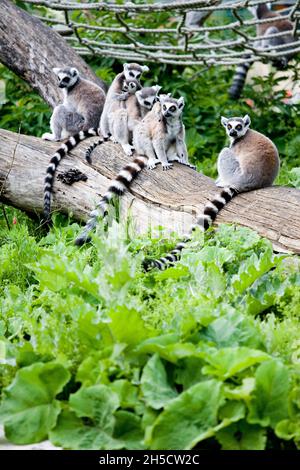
{"points": [[170, 199], [31, 50]]}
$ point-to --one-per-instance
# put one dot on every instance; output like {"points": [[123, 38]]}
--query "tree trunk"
{"points": [[31, 50], [170, 199]]}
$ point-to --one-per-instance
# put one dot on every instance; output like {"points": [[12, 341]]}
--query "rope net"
{"points": [[179, 32]]}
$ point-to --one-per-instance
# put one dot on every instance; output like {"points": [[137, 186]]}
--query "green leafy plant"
{"points": [[96, 354]]}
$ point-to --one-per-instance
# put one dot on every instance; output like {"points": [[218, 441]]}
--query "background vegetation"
{"points": [[96, 354]]}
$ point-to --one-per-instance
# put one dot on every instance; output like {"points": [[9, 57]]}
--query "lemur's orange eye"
{"points": [[238, 127], [229, 127]]}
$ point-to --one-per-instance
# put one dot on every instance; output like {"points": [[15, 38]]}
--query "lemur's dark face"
{"points": [[236, 127], [148, 96], [67, 77], [134, 71], [131, 86], [170, 107]]}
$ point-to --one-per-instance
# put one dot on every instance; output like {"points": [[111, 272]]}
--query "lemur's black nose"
{"points": [[233, 133]]}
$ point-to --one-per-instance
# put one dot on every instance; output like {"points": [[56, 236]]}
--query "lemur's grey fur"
{"points": [[160, 136], [251, 162], [144, 101], [135, 107], [90, 131], [266, 30], [81, 108], [157, 137], [113, 122]]}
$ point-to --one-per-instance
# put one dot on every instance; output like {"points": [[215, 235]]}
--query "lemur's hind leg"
{"points": [[120, 130], [230, 173], [74, 123], [57, 123], [172, 155], [177, 152], [228, 167], [159, 148], [152, 160], [143, 146], [105, 124], [182, 151], [64, 123]]}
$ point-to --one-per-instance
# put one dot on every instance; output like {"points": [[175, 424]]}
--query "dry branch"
{"points": [[171, 198]]}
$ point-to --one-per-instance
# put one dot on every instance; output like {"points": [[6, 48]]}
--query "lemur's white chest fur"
{"points": [[173, 128]]}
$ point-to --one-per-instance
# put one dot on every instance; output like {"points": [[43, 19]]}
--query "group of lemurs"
{"points": [[149, 126]]}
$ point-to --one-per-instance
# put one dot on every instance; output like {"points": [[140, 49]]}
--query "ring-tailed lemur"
{"points": [[113, 119], [146, 98], [251, 162], [262, 12], [160, 136], [135, 108], [81, 108], [130, 74]]}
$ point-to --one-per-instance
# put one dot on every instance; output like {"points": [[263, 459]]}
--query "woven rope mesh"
{"points": [[182, 32]]}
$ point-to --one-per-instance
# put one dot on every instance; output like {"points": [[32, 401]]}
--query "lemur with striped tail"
{"points": [[160, 136], [126, 82], [265, 31], [251, 162], [145, 99], [81, 108], [123, 121]]}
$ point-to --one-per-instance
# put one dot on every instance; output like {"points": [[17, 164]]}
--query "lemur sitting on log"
{"points": [[251, 162], [158, 138], [81, 95]]}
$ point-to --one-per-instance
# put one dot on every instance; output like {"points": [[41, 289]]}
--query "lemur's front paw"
{"points": [[128, 149], [48, 136], [151, 164], [167, 166], [220, 183], [122, 97]]}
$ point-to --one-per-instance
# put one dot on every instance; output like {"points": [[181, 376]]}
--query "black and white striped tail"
{"points": [[117, 188], [91, 148], [204, 221], [69, 145], [239, 79]]}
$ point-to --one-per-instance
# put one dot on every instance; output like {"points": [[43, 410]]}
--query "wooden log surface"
{"points": [[31, 49], [167, 198]]}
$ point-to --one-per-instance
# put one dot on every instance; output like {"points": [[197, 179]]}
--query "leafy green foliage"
{"points": [[95, 354], [188, 419], [29, 409]]}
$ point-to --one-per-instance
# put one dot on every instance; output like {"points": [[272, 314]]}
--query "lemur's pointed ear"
{"points": [[224, 121], [74, 71], [145, 68], [156, 88], [125, 66], [180, 102], [247, 120], [56, 70], [138, 93]]}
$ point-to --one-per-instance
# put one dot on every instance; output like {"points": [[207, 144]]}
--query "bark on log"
{"points": [[170, 199], [31, 50]]}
